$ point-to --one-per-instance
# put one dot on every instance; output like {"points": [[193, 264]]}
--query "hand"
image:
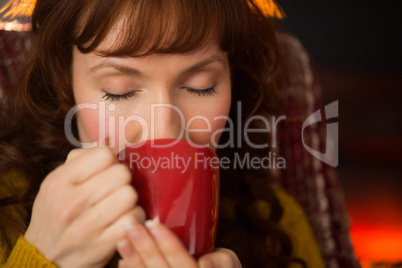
{"points": [[158, 247], [81, 209]]}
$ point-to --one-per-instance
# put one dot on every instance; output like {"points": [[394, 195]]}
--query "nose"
{"points": [[156, 117], [166, 120]]}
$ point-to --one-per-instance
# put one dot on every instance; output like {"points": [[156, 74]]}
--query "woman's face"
{"points": [[186, 96]]}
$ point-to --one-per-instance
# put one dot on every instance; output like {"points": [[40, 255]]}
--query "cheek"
{"points": [[207, 129], [88, 125], [121, 127]]}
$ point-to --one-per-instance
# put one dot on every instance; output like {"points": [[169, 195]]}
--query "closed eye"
{"points": [[202, 92], [117, 97]]}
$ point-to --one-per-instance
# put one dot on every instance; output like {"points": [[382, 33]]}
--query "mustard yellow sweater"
{"points": [[293, 222]]}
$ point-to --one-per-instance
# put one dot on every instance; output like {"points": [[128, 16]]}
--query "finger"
{"points": [[221, 257], [74, 153], [129, 255], [111, 208], [105, 183], [117, 231], [139, 215], [86, 164], [170, 245], [145, 246], [103, 142]]}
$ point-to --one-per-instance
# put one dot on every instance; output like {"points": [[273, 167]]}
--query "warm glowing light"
{"points": [[24, 8], [376, 229], [18, 8], [270, 8], [15, 26], [377, 243]]}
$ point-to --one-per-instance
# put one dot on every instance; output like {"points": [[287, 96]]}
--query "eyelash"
{"points": [[115, 97], [202, 92]]}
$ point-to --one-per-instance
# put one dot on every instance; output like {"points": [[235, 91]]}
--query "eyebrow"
{"points": [[202, 64], [121, 68], [134, 72]]}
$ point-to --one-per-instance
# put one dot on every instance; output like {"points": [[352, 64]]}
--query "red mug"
{"points": [[178, 182]]}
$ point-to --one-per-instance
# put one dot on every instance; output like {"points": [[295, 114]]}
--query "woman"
{"points": [[201, 57]]}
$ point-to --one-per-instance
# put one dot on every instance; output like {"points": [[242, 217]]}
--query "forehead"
{"points": [[147, 66]]}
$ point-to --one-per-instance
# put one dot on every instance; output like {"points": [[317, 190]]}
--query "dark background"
{"points": [[356, 50], [360, 34]]}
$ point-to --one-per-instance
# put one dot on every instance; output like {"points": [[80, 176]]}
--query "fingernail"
{"points": [[135, 233], [152, 226], [101, 143], [125, 248], [152, 223], [89, 145], [104, 142], [207, 263]]}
